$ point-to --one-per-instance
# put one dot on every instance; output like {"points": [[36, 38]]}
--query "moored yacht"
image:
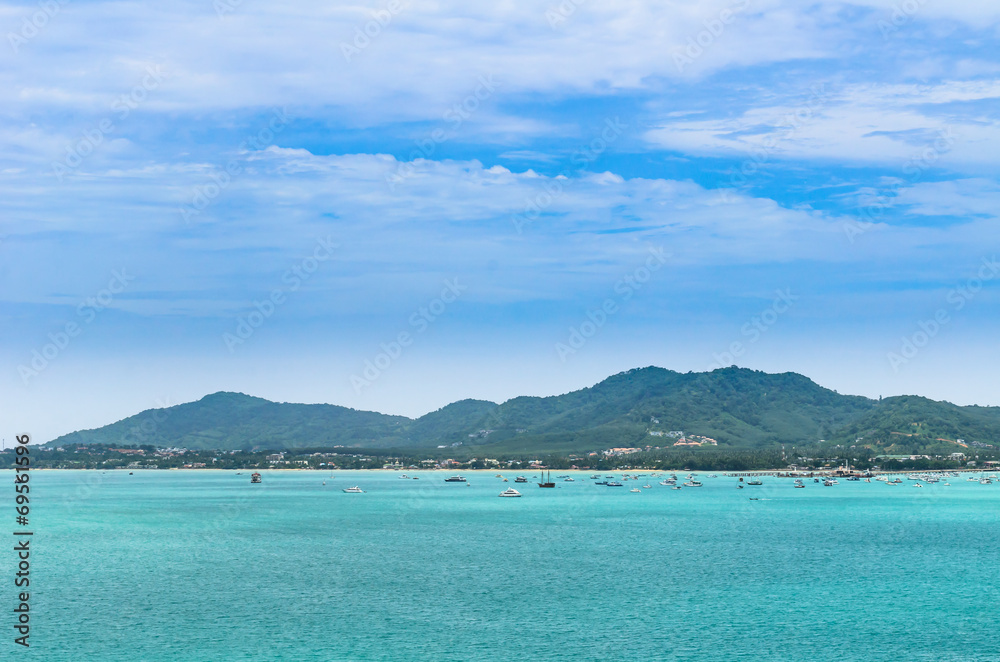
{"points": [[455, 479], [354, 490], [510, 492]]}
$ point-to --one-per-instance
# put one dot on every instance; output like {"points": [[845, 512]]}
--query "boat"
{"points": [[985, 481], [520, 479], [510, 492], [595, 477], [613, 483], [455, 479], [676, 487], [354, 490], [635, 489], [797, 485], [827, 483], [404, 476], [667, 482], [255, 477], [600, 482], [547, 481], [755, 481], [646, 486], [568, 480], [739, 486]]}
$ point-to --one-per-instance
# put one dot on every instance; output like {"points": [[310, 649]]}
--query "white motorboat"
{"points": [[510, 492], [354, 490]]}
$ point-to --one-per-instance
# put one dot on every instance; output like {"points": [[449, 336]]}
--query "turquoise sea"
{"points": [[202, 565]]}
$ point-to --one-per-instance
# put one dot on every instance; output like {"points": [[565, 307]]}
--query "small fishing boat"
{"points": [[520, 479]]}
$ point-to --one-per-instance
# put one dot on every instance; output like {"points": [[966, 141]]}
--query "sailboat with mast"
{"points": [[548, 480]]}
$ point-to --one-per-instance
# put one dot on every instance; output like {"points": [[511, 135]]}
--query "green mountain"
{"points": [[912, 424], [236, 421], [738, 408]]}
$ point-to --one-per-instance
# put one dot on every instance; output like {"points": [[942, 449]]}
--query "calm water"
{"points": [[204, 566]]}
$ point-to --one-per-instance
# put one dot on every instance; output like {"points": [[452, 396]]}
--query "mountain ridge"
{"points": [[736, 407]]}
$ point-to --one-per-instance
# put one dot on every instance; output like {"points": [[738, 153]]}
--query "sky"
{"points": [[398, 204]]}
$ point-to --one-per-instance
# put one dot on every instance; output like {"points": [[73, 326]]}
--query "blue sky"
{"points": [[488, 201]]}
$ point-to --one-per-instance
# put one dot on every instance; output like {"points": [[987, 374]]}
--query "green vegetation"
{"points": [[741, 409]]}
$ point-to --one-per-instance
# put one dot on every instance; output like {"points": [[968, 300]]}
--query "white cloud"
{"points": [[887, 124]]}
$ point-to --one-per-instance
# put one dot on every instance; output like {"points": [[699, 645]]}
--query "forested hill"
{"points": [[734, 406]]}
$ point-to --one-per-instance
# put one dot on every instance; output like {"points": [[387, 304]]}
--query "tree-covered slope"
{"points": [[735, 406]]}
